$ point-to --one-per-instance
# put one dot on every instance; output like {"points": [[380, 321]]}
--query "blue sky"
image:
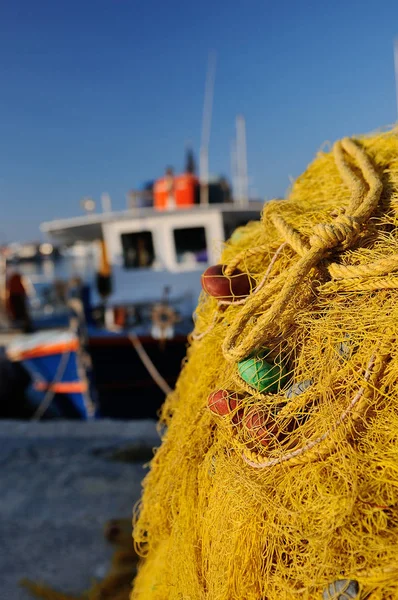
{"points": [[99, 95]]}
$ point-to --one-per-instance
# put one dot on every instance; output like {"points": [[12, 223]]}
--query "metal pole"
{"points": [[241, 153], [204, 176], [206, 127], [106, 202], [234, 172]]}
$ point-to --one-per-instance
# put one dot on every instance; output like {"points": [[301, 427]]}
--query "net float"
{"points": [[344, 348], [262, 375], [222, 402], [260, 426], [342, 589], [296, 389], [231, 287]]}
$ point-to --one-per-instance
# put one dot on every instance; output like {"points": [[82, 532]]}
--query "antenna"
{"points": [[206, 126], [106, 202], [396, 71], [234, 171], [241, 161]]}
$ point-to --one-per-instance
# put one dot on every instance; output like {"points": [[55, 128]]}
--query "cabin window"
{"points": [[138, 252], [190, 245]]}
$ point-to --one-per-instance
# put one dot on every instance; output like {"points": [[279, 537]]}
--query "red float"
{"points": [[231, 287], [222, 402], [261, 427]]}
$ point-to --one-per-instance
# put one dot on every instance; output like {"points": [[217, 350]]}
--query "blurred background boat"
{"points": [[131, 273], [122, 287]]}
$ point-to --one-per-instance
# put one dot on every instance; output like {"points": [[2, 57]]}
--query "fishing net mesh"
{"points": [[277, 476]]}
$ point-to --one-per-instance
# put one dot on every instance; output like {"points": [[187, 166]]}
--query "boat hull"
{"points": [[125, 389], [61, 384], [113, 383]]}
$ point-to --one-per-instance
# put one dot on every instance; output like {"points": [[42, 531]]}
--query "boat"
{"points": [[132, 317], [59, 378], [141, 300]]}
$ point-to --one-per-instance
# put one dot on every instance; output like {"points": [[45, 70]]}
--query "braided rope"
{"points": [[338, 235], [199, 336], [363, 209], [360, 284], [356, 409], [254, 461], [383, 266], [291, 235], [262, 282], [350, 178]]}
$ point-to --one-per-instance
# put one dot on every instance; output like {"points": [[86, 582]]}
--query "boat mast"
{"points": [[234, 171], [106, 203], [206, 126], [241, 162]]}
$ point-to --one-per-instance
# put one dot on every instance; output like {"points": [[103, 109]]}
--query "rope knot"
{"points": [[340, 234]]}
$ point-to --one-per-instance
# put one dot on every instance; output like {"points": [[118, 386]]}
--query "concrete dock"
{"points": [[59, 483]]}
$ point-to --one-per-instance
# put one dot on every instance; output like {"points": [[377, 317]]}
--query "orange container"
{"points": [[184, 189], [177, 192], [162, 191]]}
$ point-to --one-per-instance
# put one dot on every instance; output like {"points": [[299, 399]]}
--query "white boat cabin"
{"points": [[150, 250]]}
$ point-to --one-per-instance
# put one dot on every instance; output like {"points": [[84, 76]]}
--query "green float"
{"points": [[262, 375]]}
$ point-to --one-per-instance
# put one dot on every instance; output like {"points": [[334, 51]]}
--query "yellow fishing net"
{"points": [[277, 476]]}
